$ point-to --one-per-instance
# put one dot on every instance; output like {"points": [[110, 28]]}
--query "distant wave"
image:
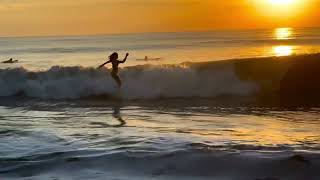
{"points": [[55, 50], [87, 49], [263, 41], [164, 45]]}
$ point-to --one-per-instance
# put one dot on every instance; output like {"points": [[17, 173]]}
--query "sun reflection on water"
{"points": [[283, 33], [282, 50]]}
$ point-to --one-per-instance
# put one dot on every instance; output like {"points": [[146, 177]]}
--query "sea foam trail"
{"points": [[140, 82]]}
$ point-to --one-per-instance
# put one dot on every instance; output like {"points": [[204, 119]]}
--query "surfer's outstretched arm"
{"points": [[124, 60], [104, 64]]}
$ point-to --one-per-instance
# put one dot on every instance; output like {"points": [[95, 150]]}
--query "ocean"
{"points": [[220, 105], [41, 53]]}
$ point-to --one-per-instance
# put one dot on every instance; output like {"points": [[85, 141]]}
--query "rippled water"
{"points": [[48, 140]]}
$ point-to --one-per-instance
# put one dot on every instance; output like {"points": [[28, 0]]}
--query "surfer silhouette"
{"points": [[10, 61], [113, 59]]}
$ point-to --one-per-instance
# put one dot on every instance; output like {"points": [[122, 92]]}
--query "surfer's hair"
{"points": [[113, 56]]}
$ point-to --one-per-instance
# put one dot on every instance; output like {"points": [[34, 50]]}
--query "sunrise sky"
{"points": [[74, 17]]}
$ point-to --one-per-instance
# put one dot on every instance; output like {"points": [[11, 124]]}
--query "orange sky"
{"points": [[73, 17]]}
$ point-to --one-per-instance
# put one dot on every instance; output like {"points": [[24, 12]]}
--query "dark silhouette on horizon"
{"points": [[10, 61], [113, 58], [146, 58]]}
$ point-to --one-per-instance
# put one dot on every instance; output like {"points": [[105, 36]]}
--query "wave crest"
{"points": [[140, 82]]}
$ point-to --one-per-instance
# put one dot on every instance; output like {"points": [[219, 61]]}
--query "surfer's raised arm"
{"points": [[124, 60], [104, 64]]}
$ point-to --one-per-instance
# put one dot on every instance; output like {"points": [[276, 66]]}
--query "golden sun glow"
{"points": [[283, 50], [281, 2], [60, 17], [281, 10]]}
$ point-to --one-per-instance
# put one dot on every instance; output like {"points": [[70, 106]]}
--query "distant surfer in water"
{"points": [[10, 61], [113, 58]]}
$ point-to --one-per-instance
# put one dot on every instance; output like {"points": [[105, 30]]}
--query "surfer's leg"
{"points": [[116, 78]]}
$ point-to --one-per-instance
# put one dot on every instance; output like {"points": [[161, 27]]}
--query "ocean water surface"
{"points": [[184, 112], [41, 53]]}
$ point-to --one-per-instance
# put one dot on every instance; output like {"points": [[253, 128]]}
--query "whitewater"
{"points": [[145, 82]]}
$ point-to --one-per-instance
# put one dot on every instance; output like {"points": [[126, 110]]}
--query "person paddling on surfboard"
{"points": [[113, 58]]}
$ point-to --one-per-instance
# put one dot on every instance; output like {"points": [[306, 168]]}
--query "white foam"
{"points": [[144, 82]]}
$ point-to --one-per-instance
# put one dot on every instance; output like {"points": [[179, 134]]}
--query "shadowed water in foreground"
{"points": [[164, 139]]}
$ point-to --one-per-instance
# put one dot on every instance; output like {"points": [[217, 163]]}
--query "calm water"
{"points": [[167, 122], [172, 48]]}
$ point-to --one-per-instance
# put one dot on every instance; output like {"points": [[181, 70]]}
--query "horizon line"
{"points": [[150, 32]]}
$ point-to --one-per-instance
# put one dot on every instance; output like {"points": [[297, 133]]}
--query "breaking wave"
{"points": [[140, 82], [284, 79]]}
